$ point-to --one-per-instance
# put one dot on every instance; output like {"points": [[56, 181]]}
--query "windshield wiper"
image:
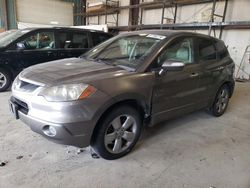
{"points": [[99, 60], [105, 61]]}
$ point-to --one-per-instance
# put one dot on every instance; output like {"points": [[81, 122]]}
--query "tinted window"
{"points": [[79, 40], [222, 51], [98, 38], [73, 40], [178, 50], [206, 50], [40, 40], [63, 40]]}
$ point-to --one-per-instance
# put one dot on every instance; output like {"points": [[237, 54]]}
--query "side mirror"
{"points": [[20, 46], [171, 66]]}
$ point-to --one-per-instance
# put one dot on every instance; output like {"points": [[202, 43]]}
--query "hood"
{"points": [[72, 70]]}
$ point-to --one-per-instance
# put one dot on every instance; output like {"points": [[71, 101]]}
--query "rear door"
{"points": [[212, 68], [176, 92], [72, 43]]}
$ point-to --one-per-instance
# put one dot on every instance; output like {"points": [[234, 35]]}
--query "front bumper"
{"points": [[73, 121], [65, 132]]}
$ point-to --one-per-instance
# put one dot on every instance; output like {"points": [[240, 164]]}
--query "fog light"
{"points": [[49, 131]]}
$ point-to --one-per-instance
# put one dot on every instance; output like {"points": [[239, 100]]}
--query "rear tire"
{"points": [[5, 80], [221, 101], [118, 133]]}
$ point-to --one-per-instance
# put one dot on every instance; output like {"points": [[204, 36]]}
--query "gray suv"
{"points": [[105, 97]]}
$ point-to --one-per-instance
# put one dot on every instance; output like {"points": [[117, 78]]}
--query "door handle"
{"points": [[50, 53], [194, 75]]}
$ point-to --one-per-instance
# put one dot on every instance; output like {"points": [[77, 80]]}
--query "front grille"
{"points": [[22, 106]]}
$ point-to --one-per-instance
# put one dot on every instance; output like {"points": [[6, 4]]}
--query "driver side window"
{"points": [[177, 51], [41, 40]]}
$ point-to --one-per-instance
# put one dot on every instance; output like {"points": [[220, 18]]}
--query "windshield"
{"points": [[127, 51], [7, 38]]}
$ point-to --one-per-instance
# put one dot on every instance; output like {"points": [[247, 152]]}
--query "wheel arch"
{"points": [[136, 102], [9, 70], [229, 84]]}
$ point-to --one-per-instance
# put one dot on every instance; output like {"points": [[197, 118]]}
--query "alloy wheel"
{"points": [[120, 134], [3, 80], [222, 100]]}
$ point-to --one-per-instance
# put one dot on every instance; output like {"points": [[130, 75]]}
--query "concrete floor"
{"points": [[196, 151]]}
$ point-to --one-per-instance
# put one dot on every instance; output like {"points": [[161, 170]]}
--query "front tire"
{"points": [[118, 133], [221, 101], [5, 80]]}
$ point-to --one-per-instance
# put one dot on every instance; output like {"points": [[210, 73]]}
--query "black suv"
{"points": [[22, 48]]}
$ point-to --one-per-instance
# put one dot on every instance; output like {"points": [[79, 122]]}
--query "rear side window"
{"points": [[222, 51], [98, 38], [79, 40], [73, 40], [62, 40], [207, 50]]}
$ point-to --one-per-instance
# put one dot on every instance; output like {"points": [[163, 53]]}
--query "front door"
{"points": [[38, 47], [176, 92]]}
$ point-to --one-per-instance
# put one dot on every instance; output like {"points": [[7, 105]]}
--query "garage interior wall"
{"points": [[122, 18], [3, 17], [7, 15], [44, 12], [238, 10], [202, 12]]}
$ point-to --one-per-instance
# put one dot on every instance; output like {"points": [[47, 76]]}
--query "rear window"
{"points": [[207, 50], [99, 38], [222, 51]]}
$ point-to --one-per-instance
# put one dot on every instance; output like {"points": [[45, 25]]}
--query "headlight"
{"points": [[16, 84], [69, 92]]}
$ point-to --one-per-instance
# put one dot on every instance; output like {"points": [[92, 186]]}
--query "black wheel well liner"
{"points": [[230, 86]]}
